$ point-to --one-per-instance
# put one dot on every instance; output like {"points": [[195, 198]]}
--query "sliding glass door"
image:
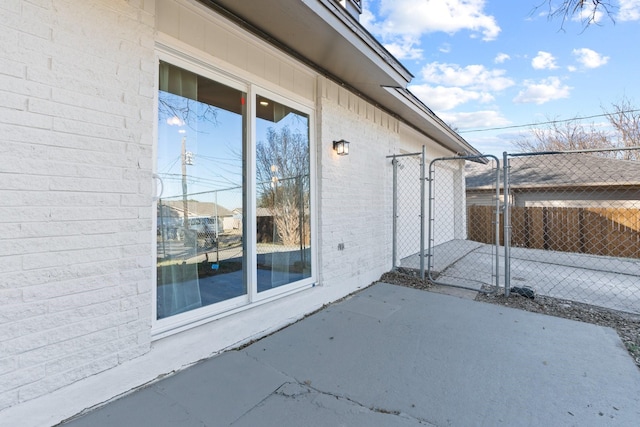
{"points": [[232, 228], [201, 140], [282, 195]]}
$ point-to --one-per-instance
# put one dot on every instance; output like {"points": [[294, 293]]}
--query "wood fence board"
{"points": [[598, 231]]}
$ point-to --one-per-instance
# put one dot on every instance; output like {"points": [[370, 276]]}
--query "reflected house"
{"points": [[194, 114], [216, 213]]}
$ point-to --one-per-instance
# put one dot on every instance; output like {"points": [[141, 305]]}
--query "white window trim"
{"points": [[161, 328], [310, 112]]}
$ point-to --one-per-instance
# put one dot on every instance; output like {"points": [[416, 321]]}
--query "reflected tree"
{"points": [[282, 161]]}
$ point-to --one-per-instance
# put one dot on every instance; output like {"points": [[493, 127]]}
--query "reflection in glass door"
{"points": [[200, 214], [282, 194]]}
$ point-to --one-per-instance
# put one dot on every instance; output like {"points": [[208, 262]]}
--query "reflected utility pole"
{"points": [[185, 203]]}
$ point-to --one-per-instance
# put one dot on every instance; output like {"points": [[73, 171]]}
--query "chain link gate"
{"points": [[430, 227], [408, 210], [456, 255], [572, 226]]}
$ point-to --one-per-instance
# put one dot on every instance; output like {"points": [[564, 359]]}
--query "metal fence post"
{"points": [[422, 217], [394, 162], [497, 224], [507, 225]]}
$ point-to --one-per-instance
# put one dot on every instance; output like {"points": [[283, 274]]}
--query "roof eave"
{"points": [[327, 38]]}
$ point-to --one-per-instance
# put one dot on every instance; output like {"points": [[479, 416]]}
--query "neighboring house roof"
{"points": [[561, 170], [199, 208], [324, 35], [264, 212], [259, 211]]}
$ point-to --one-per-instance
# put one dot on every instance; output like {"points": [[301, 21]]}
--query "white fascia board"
{"points": [[421, 117], [341, 21]]}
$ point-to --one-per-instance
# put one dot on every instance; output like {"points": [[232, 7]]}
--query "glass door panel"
{"points": [[282, 195], [201, 140]]}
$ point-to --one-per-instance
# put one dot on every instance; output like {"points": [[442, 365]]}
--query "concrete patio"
{"points": [[395, 356]]}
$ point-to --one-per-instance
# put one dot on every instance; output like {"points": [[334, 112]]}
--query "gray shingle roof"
{"points": [[558, 170], [199, 208]]}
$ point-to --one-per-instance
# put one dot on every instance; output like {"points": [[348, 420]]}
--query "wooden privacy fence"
{"points": [[598, 231]]}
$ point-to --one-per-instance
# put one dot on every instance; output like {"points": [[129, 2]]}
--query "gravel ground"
{"points": [[627, 325]]}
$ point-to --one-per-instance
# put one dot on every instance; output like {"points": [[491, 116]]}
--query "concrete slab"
{"points": [[453, 291], [395, 356], [296, 405], [445, 254], [608, 282], [214, 392]]}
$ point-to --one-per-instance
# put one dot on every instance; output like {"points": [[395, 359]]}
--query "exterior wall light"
{"points": [[341, 147]]}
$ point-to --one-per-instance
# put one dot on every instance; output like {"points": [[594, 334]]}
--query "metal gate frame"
{"points": [[394, 162], [431, 238], [426, 250]]}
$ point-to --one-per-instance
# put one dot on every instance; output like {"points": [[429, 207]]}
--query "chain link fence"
{"points": [[568, 227], [574, 226]]}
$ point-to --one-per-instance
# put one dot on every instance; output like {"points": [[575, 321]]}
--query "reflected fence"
{"points": [[195, 226], [562, 224]]}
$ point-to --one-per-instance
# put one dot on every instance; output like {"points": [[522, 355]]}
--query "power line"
{"points": [[549, 122]]}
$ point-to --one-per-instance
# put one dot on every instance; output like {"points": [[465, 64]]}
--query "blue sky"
{"points": [[482, 64]]}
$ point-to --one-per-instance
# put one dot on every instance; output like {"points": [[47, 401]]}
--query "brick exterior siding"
{"points": [[76, 108], [77, 235]]}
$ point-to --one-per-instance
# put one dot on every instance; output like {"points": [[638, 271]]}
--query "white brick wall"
{"points": [[356, 203], [76, 155], [355, 190], [76, 120]]}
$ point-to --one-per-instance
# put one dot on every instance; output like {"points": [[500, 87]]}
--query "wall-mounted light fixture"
{"points": [[341, 147]]}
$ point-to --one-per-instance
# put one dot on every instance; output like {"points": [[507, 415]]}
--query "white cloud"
{"points": [[476, 77], [590, 58], [404, 49], [445, 48], [400, 18], [440, 98], [544, 61], [629, 10], [543, 91], [474, 120], [368, 20], [587, 15], [501, 57]]}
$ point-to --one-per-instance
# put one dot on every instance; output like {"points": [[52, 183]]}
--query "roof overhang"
{"points": [[324, 35]]}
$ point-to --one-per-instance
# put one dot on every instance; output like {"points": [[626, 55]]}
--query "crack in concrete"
{"points": [[294, 390]]}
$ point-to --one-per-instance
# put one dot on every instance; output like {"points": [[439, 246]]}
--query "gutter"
{"points": [[413, 102]]}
